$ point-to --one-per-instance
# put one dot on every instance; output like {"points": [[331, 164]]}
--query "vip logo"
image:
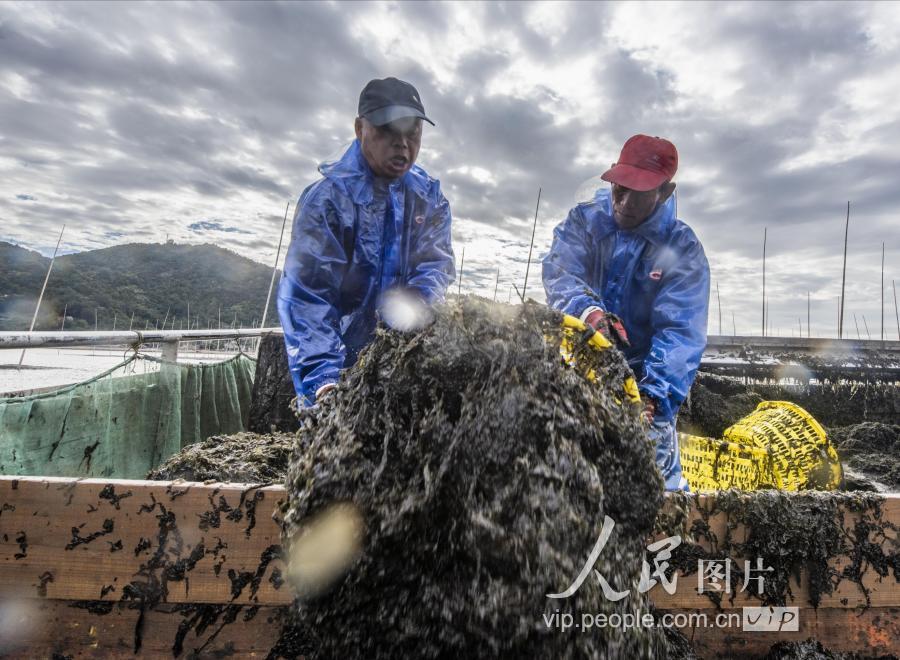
{"points": [[771, 619]]}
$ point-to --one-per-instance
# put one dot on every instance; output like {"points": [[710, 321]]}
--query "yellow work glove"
{"points": [[597, 341]]}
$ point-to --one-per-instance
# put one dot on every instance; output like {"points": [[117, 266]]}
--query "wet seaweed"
{"points": [[77, 539], [296, 640], [98, 607], [88, 456], [483, 468], [109, 493], [716, 402], [239, 458], [142, 544], [22, 541], [872, 448], [784, 534], [212, 519]]}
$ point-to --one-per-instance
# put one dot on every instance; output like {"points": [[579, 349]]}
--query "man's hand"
{"points": [[649, 411], [609, 325]]}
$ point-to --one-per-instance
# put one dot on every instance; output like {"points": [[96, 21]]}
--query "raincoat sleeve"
{"points": [[568, 268], [309, 291], [432, 267], [679, 333]]}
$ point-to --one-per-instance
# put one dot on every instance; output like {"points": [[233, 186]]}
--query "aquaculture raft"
{"points": [[105, 568]]}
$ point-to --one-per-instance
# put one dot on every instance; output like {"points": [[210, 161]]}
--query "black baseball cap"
{"points": [[384, 101]]}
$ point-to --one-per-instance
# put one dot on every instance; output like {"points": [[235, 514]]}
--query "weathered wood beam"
{"points": [[185, 553]]}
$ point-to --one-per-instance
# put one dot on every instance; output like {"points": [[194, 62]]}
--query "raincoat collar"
{"points": [[354, 176], [655, 229]]}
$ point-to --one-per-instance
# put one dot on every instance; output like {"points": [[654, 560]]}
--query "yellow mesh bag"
{"points": [[778, 445]]}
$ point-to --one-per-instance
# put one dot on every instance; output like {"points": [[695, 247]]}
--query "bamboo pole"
{"points": [[462, 264], [844, 276], [531, 248], [857, 326], [43, 289], [63, 324], [720, 306], [896, 314], [882, 291], [807, 316], [866, 326], [733, 325], [274, 269], [765, 232], [496, 283], [131, 322]]}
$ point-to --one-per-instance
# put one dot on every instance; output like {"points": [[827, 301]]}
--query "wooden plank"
{"points": [[164, 545], [90, 539], [43, 629], [875, 631], [72, 539], [841, 623], [883, 592]]}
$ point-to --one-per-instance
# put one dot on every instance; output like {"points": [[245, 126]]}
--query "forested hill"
{"points": [[146, 280]]}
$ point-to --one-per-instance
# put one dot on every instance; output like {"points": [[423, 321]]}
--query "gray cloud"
{"points": [[140, 121], [208, 225]]}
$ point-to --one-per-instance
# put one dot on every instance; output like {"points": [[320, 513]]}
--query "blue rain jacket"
{"points": [[655, 277], [355, 237]]}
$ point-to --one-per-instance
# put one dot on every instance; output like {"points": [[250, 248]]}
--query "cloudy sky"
{"points": [[200, 122]]}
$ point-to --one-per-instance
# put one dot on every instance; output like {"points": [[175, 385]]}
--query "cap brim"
{"points": [[391, 113], [633, 178]]}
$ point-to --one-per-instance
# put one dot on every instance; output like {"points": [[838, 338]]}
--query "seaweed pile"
{"points": [[481, 469], [716, 402], [871, 448], [273, 389], [241, 458]]}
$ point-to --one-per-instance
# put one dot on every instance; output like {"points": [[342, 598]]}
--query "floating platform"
{"points": [[120, 568]]}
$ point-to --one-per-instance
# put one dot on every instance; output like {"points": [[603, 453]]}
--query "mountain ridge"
{"points": [[153, 281]]}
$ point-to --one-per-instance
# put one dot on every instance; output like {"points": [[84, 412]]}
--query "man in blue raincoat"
{"points": [[370, 240], [627, 267]]}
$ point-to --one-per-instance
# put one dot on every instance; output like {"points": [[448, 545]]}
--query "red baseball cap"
{"points": [[644, 164]]}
